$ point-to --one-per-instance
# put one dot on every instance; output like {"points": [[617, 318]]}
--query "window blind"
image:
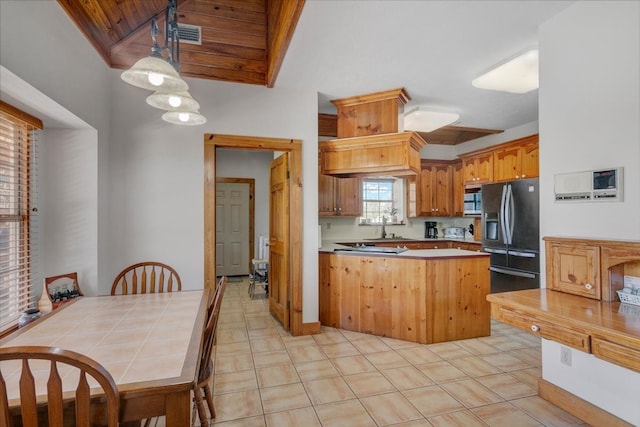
{"points": [[16, 139]]}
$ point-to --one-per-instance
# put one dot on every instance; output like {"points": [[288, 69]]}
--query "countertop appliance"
{"points": [[453, 232], [430, 230], [510, 225]]}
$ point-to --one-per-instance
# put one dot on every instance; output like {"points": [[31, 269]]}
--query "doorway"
{"points": [[294, 148]]}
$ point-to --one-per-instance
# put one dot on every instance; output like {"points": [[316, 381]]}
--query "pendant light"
{"points": [[184, 117], [160, 72], [173, 101]]}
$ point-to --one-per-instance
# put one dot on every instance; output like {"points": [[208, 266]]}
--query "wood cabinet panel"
{"points": [[457, 189], [616, 353], [516, 160], [411, 299], [456, 299], [478, 169], [574, 269], [435, 189], [339, 196], [507, 164], [533, 324]]}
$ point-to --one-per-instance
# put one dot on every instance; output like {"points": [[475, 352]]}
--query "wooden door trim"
{"points": [[294, 148], [252, 210]]}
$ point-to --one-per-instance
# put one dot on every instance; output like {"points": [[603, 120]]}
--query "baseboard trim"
{"points": [[311, 328], [578, 407]]}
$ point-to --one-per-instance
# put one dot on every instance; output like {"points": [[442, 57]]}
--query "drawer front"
{"points": [[616, 353], [541, 328]]}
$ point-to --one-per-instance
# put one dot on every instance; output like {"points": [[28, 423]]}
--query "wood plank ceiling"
{"points": [[242, 41]]}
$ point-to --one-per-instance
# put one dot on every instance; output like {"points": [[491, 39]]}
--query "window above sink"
{"points": [[382, 197]]}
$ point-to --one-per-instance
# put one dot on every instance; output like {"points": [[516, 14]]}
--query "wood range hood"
{"points": [[370, 142]]}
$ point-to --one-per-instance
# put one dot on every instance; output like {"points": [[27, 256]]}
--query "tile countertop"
{"points": [[329, 246]]}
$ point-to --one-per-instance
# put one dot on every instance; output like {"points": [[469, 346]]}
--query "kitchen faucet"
{"points": [[383, 235]]}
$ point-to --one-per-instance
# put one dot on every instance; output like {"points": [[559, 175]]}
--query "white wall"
{"points": [[589, 109], [250, 164], [157, 172], [69, 206]]}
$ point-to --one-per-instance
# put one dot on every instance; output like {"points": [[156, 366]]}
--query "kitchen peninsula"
{"points": [[423, 295]]}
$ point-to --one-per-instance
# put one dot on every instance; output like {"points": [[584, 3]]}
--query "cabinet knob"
{"points": [[535, 328], [436, 209], [523, 175], [517, 176], [339, 209], [435, 247], [588, 286]]}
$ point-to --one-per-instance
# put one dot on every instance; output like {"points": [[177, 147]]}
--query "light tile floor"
{"points": [[266, 377]]}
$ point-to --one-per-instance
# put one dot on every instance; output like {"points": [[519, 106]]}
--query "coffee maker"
{"points": [[430, 230]]}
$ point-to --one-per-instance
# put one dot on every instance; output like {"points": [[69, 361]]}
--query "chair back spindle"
{"points": [[28, 388], [146, 277]]}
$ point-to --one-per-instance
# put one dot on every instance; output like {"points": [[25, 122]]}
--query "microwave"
{"points": [[472, 202]]}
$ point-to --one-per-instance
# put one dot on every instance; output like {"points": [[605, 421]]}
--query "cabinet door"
{"points": [[326, 195], [484, 167], [457, 184], [507, 164], [469, 170], [441, 190], [574, 269], [427, 180], [412, 195], [530, 160], [349, 196], [478, 169]]}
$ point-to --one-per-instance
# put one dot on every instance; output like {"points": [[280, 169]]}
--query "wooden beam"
{"points": [[282, 18]]}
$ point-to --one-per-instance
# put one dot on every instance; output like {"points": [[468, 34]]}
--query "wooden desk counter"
{"points": [[149, 343], [608, 330]]}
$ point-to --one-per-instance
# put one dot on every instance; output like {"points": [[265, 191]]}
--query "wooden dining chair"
{"points": [[205, 370], [21, 380], [146, 278]]}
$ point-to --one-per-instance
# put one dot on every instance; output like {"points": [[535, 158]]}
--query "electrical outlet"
{"points": [[565, 356]]}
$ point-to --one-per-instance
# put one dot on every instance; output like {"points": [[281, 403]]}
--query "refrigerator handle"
{"points": [[522, 254], [511, 208], [495, 251], [502, 214], [513, 273]]}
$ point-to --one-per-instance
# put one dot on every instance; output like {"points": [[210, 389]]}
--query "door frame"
{"points": [[252, 210], [236, 142]]}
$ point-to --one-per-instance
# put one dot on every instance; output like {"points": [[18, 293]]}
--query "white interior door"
{"points": [[232, 229]]}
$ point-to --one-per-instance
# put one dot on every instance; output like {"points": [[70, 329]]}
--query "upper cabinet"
{"points": [[339, 196], [477, 168], [516, 160], [435, 189], [370, 141], [457, 189]]}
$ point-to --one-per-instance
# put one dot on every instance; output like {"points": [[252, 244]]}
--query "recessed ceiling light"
{"points": [[519, 75], [420, 120]]}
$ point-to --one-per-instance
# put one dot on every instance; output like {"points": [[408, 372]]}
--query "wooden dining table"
{"points": [[149, 343]]}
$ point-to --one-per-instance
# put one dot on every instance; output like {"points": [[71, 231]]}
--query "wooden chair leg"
{"points": [[209, 397], [204, 421]]}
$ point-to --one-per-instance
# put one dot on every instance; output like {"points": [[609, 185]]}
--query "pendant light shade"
{"points": [[184, 117], [154, 73], [160, 72], [173, 101]]}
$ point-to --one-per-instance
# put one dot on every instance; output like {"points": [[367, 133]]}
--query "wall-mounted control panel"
{"points": [[601, 185]]}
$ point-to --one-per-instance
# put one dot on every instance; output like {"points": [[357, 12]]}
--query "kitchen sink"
{"points": [[388, 239]]}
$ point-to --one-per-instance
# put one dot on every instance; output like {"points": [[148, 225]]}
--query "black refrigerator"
{"points": [[510, 225]]}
